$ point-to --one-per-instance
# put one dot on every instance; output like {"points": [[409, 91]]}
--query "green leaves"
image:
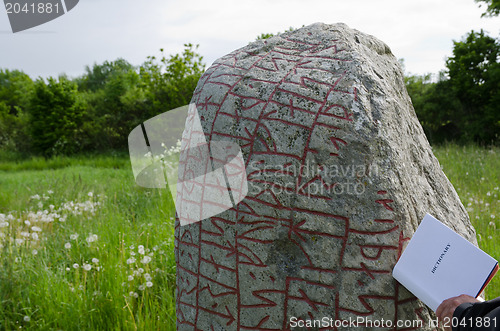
{"points": [[492, 7], [57, 113], [464, 105]]}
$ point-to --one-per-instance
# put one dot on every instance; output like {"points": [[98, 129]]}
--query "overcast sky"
{"points": [[420, 31]]}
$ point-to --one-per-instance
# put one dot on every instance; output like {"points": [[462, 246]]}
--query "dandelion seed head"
{"points": [[95, 260], [149, 284], [27, 318], [146, 259], [76, 266], [142, 287], [92, 238], [67, 245], [86, 266]]}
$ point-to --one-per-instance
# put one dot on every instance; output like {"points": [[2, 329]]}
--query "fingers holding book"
{"points": [[446, 309]]}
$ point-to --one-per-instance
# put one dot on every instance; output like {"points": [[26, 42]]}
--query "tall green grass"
{"points": [[46, 285], [64, 282], [475, 173]]}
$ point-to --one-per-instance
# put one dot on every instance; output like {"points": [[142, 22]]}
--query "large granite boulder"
{"points": [[339, 173]]}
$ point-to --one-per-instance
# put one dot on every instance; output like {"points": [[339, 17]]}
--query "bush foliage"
{"points": [[94, 112], [97, 111]]}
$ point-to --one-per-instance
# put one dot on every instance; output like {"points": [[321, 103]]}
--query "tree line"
{"points": [[96, 111], [463, 105]]}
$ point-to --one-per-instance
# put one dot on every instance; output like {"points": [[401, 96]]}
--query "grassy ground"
{"points": [[83, 248], [475, 173]]}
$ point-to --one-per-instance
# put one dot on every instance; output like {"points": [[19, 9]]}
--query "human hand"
{"points": [[446, 309]]}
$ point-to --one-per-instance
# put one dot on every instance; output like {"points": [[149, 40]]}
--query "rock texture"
{"points": [[339, 176]]}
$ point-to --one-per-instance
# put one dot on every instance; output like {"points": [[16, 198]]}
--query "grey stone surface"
{"points": [[339, 176]]}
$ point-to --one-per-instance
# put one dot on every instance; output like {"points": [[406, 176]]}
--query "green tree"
{"points": [[15, 89], [96, 77], [492, 7], [169, 82], [474, 73], [57, 114]]}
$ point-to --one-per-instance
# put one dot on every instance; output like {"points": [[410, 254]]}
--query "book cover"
{"points": [[438, 264]]}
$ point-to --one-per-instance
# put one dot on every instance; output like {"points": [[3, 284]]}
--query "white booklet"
{"points": [[439, 264]]}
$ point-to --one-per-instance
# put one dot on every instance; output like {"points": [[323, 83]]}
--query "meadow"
{"points": [[83, 248]]}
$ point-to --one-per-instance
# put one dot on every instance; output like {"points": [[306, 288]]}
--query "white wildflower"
{"points": [[149, 284], [73, 236], [95, 260], [86, 266], [76, 266], [131, 260], [146, 259], [130, 278], [140, 249], [67, 245], [91, 238], [27, 318], [142, 287]]}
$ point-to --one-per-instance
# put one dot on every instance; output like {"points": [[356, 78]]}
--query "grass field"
{"points": [[83, 248]]}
